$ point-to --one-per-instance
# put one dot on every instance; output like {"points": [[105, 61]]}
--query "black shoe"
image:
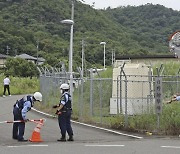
{"points": [[15, 138], [23, 140], [62, 140], [70, 138]]}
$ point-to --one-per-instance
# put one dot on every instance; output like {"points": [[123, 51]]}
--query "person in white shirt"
{"points": [[6, 85]]}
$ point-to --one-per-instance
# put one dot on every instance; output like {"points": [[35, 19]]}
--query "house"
{"points": [[27, 57], [3, 60], [35, 60]]}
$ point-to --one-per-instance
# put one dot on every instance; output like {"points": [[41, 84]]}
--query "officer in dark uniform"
{"points": [[21, 107], [64, 113]]}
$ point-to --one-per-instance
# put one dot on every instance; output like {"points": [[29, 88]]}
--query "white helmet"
{"points": [[64, 86], [38, 96]]}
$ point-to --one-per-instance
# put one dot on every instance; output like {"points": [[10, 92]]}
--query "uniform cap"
{"points": [[64, 86], [38, 96]]}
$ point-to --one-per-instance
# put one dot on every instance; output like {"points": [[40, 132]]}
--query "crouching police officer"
{"points": [[64, 113], [21, 107]]}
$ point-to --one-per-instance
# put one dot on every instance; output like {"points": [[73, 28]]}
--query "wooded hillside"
{"points": [[142, 30]]}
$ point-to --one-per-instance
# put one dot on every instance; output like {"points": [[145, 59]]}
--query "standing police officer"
{"points": [[64, 113], [21, 107]]}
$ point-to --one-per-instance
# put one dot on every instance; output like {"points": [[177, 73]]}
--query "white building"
{"points": [[137, 91]]}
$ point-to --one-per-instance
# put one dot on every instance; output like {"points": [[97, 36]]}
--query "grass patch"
{"points": [[21, 85]]}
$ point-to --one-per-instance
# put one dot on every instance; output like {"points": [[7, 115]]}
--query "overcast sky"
{"points": [[100, 4]]}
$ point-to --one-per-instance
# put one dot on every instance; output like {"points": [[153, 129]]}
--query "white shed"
{"points": [[137, 90]]}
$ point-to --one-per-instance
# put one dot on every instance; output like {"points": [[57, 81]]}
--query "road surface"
{"points": [[88, 140]]}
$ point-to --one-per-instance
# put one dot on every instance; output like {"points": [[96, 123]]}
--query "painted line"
{"points": [[29, 145], [108, 130], [172, 147], [97, 145]]}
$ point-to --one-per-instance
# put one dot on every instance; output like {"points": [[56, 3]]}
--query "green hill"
{"points": [[128, 30], [150, 25]]}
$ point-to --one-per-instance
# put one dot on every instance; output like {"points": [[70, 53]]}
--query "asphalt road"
{"points": [[88, 140]]}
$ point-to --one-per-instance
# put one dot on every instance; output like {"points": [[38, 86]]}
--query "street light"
{"points": [[67, 21], [70, 22], [104, 43]]}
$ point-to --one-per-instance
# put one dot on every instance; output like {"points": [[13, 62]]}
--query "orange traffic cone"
{"points": [[36, 137]]}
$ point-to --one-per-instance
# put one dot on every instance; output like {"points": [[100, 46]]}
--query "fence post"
{"points": [[79, 101], [158, 96], [82, 95], [100, 99], [177, 76], [126, 115], [150, 87], [122, 71], [118, 95], [91, 92]]}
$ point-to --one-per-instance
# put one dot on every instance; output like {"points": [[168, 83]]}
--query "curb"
{"points": [[100, 128]]}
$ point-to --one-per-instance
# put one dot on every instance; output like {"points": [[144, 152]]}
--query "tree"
{"points": [[20, 67]]}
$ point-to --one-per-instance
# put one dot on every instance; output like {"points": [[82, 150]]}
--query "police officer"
{"points": [[64, 112], [21, 107]]}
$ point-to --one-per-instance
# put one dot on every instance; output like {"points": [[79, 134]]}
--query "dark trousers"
{"points": [[65, 123], [19, 127], [6, 87]]}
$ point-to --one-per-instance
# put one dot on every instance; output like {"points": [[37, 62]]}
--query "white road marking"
{"points": [[29, 145], [173, 147], [104, 145], [108, 130]]}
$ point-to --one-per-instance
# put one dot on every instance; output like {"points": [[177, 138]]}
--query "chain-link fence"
{"points": [[96, 99], [137, 94], [90, 95]]}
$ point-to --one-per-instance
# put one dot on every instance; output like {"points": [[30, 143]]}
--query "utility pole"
{"points": [[7, 50], [37, 47], [82, 67], [15, 52], [112, 56], [37, 51]]}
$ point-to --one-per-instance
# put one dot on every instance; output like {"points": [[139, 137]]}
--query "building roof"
{"points": [[2, 56], [26, 56], [146, 57], [40, 59]]}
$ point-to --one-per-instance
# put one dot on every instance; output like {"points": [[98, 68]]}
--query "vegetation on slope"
{"points": [[139, 30]]}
